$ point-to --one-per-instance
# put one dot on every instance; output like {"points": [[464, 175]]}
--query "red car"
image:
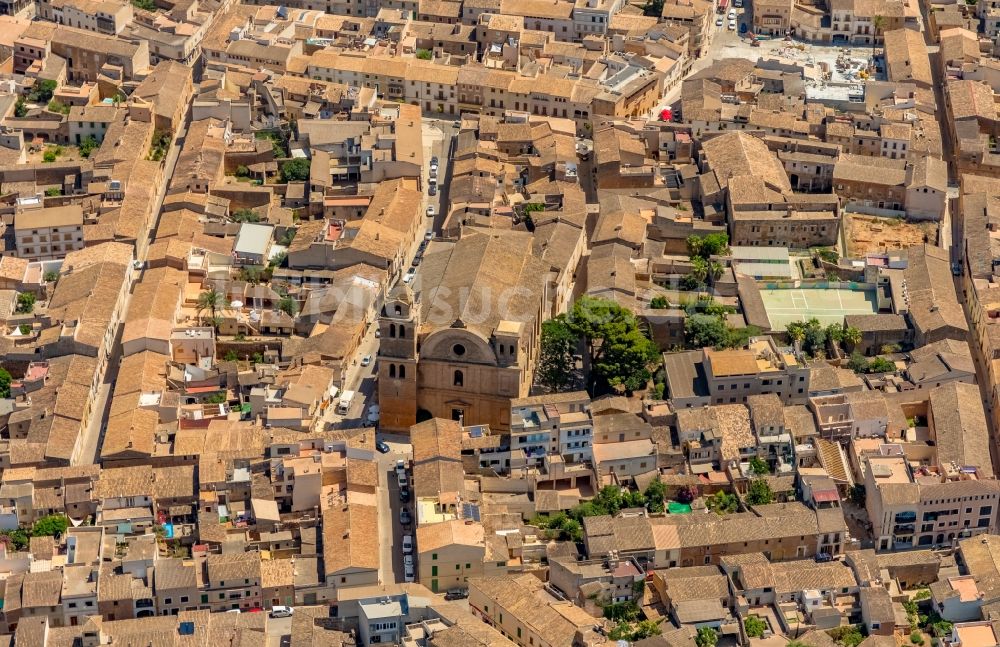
{"points": [[255, 610], [666, 114]]}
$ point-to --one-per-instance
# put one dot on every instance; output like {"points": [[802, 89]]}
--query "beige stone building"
{"points": [[468, 345], [772, 17], [48, 233]]}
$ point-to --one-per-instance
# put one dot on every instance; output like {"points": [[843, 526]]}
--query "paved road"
{"points": [[389, 529], [93, 435], [279, 632]]}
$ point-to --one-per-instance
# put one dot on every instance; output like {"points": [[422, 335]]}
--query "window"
{"points": [[458, 349], [434, 571], [402, 371], [392, 370], [459, 378]]}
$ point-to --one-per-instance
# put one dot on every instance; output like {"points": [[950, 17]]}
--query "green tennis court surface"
{"points": [[829, 305]]}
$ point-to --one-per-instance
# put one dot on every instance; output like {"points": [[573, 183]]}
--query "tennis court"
{"points": [[829, 305]]}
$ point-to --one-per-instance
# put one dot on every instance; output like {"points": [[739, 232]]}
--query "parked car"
{"points": [[732, 25], [732, 14], [719, 21], [430, 211], [378, 333], [404, 517], [432, 189], [409, 275], [255, 610], [281, 612], [400, 465], [381, 446], [366, 360], [408, 573], [456, 594], [407, 560], [407, 544], [404, 494], [429, 234]]}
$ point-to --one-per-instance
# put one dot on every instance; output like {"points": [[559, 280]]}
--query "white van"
{"points": [[281, 612], [344, 404]]}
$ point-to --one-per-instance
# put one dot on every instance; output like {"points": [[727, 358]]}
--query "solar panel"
{"points": [[471, 511], [186, 629]]}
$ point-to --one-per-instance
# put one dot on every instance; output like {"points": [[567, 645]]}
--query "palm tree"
{"points": [[878, 23], [211, 300], [852, 336]]}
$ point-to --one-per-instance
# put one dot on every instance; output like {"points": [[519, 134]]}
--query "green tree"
{"points": [[42, 91], [858, 363], [852, 336], [17, 538], [20, 109], [858, 494], [847, 636], [555, 361], [212, 301], [759, 467], [244, 215], [653, 8], [24, 329], [231, 356], [51, 276], [296, 170], [754, 626], [707, 637], [881, 365], [659, 303], [705, 331], [722, 503], [5, 380], [645, 629], [49, 525], [216, 398], [835, 333], [145, 5], [708, 245], [26, 302], [622, 611], [49, 156], [425, 54], [656, 494], [759, 493], [697, 274], [288, 305], [53, 191], [242, 171], [621, 355], [88, 146], [58, 106]]}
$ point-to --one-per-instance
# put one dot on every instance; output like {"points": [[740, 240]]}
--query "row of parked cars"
{"points": [[406, 519]]}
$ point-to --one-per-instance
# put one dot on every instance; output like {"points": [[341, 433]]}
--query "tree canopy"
{"points": [[296, 170], [620, 353], [760, 493], [555, 360]]}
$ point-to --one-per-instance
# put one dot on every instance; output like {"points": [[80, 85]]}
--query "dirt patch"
{"points": [[870, 234]]}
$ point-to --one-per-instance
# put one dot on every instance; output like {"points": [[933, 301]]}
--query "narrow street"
{"points": [[94, 433], [389, 529]]}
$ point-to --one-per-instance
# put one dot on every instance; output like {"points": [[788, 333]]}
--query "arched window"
{"points": [[392, 330], [402, 372], [459, 378], [392, 370], [399, 310], [402, 332]]}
